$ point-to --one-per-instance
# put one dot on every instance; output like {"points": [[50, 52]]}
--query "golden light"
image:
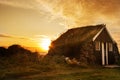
{"points": [[45, 43]]}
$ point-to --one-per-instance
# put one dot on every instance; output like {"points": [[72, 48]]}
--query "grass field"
{"points": [[20, 67], [58, 72]]}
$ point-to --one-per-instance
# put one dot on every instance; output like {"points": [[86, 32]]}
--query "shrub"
{"points": [[3, 51]]}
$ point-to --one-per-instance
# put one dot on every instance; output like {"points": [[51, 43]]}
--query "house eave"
{"points": [[94, 38]]}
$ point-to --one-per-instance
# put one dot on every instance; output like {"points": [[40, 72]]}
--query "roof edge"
{"points": [[110, 35], [98, 33], [94, 38]]}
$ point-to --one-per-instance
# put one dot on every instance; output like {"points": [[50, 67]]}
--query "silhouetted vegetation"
{"points": [[14, 50], [3, 51], [15, 54]]}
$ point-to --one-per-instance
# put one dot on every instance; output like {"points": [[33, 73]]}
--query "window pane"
{"points": [[97, 46], [110, 47]]}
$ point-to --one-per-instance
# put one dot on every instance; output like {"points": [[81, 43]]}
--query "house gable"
{"points": [[103, 36]]}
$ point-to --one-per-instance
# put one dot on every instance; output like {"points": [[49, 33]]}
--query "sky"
{"points": [[28, 22]]}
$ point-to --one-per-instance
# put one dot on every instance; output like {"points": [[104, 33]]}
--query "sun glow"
{"points": [[45, 43]]}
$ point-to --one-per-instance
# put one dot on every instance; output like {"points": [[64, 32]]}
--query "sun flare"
{"points": [[45, 43]]}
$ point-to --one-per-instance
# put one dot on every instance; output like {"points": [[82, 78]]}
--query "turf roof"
{"points": [[78, 35]]}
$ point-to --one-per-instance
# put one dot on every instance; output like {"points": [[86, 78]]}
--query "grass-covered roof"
{"points": [[78, 35]]}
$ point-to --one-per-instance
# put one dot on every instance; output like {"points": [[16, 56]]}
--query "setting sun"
{"points": [[45, 43]]}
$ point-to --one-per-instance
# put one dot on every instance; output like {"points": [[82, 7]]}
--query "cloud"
{"points": [[76, 13], [73, 13], [41, 36], [31, 5], [13, 37], [85, 12], [39, 39], [5, 36], [27, 4]]}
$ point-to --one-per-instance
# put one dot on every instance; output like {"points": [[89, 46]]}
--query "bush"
{"points": [[3, 51], [17, 55]]}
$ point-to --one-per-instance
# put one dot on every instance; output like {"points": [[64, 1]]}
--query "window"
{"points": [[97, 46], [110, 47]]}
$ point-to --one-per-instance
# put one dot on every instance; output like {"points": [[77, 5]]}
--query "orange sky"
{"points": [[27, 22]]}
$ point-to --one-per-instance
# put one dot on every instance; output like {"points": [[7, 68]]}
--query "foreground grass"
{"points": [[66, 73], [54, 69]]}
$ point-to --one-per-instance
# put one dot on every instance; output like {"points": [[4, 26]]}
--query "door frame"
{"points": [[104, 53]]}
